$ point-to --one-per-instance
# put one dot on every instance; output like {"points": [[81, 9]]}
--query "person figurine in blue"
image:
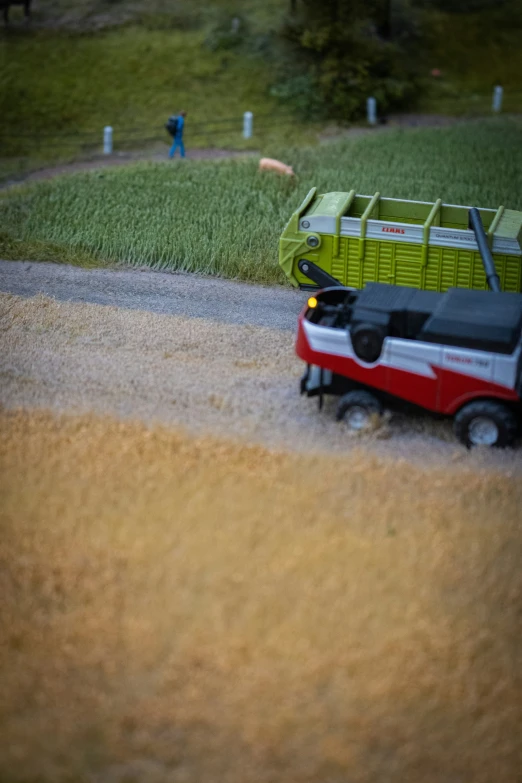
{"points": [[178, 135]]}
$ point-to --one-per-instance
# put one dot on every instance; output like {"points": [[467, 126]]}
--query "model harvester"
{"points": [[429, 340]]}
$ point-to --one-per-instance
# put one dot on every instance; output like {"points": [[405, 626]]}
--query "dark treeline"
{"points": [[342, 51]]}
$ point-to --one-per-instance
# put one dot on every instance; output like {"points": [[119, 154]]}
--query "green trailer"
{"points": [[354, 239]]}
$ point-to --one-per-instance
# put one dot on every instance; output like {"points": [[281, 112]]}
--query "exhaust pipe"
{"points": [[475, 223]]}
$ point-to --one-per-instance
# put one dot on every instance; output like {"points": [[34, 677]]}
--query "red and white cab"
{"points": [[457, 353]]}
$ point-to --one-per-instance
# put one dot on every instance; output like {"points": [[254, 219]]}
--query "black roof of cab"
{"points": [[482, 320]]}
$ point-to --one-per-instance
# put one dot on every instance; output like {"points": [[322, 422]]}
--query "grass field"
{"points": [[177, 610], [225, 218]]}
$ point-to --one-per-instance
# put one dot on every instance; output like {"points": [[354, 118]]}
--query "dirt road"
{"points": [[223, 301], [120, 159], [231, 370]]}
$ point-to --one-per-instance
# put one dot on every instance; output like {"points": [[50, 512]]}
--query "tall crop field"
{"points": [[225, 218]]}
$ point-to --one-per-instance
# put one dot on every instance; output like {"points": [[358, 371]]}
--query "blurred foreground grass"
{"points": [[225, 218], [198, 610]]}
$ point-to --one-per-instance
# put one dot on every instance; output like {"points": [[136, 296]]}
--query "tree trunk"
{"points": [[387, 21]]}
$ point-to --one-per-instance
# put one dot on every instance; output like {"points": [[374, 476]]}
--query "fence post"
{"points": [[248, 123], [371, 111], [497, 98], [107, 140]]}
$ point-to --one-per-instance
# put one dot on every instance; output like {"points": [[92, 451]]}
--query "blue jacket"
{"points": [[179, 128]]}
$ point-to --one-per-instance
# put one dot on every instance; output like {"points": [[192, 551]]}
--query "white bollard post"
{"points": [[371, 111], [248, 124], [498, 92], [107, 140]]}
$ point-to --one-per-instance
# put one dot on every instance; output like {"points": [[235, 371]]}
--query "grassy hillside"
{"points": [[131, 78], [102, 14], [82, 65], [225, 218]]}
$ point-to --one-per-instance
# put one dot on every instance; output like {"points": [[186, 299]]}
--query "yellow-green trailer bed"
{"points": [[357, 239]]}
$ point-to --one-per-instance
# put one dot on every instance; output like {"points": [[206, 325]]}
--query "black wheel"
{"points": [[367, 341], [358, 409], [485, 423]]}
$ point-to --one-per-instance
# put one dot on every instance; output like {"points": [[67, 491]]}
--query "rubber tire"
{"points": [[361, 399], [367, 340], [503, 417]]}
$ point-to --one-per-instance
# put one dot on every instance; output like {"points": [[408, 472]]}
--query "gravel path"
{"points": [[121, 159], [158, 152], [229, 378], [157, 292]]}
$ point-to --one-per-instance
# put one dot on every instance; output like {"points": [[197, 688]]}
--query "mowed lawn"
{"points": [[225, 218], [179, 610]]}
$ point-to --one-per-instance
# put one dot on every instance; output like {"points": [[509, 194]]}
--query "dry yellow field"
{"points": [[181, 609]]}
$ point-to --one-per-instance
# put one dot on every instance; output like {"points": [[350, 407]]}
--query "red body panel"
{"points": [[414, 388], [373, 376], [456, 389], [445, 393]]}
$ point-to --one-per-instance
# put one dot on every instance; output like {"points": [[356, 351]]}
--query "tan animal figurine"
{"points": [[269, 164]]}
